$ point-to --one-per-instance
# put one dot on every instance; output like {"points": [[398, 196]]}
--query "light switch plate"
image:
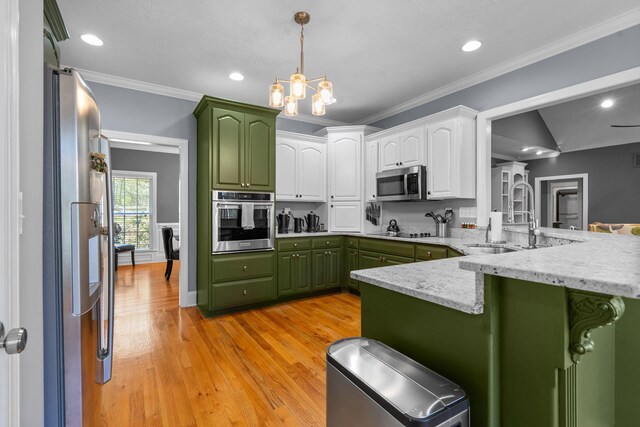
{"points": [[471, 212]]}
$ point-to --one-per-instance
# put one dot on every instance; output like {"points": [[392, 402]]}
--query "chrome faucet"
{"points": [[534, 231]]}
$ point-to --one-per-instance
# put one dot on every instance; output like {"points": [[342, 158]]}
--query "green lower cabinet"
{"points": [[352, 264], [374, 260], [294, 272], [327, 269], [224, 295]]}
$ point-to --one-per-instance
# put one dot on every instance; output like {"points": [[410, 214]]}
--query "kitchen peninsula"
{"points": [[543, 337]]}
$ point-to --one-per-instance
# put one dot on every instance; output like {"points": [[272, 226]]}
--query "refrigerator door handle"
{"points": [[106, 354]]}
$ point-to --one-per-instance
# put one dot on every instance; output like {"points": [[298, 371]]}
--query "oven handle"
{"points": [[237, 206]]}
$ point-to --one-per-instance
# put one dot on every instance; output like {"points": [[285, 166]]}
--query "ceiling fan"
{"points": [[625, 126]]}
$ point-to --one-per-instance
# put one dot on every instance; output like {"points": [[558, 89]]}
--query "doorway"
{"points": [[563, 201], [152, 144]]}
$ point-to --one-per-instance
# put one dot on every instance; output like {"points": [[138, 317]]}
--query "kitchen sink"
{"points": [[489, 249]]}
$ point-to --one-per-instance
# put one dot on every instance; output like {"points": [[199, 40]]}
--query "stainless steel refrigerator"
{"points": [[78, 252]]}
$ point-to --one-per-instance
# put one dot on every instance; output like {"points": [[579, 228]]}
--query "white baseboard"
{"points": [[191, 299]]}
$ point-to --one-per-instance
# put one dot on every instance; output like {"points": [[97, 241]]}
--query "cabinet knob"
{"points": [[248, 185], [332, 197], [301, 196], [329, 253], [373, 195], [428, 192], [244, 292], [327, 243], [295, 245], [244, 268], [429, 254], [384, 259]]}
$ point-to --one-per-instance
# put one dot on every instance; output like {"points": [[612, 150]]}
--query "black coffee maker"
{"points": [[283, 222], [313, 222]]}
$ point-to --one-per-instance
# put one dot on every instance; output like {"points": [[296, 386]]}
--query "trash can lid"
{"points": [[411, 388]]}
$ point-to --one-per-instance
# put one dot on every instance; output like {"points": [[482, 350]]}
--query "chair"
{"points": [[169, 253], [123, 247]]}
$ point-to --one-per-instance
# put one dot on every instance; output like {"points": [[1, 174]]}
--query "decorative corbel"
{"points": [[587, 311]]}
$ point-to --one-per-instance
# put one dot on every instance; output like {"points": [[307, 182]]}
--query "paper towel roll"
{"points": [[496, 226]]}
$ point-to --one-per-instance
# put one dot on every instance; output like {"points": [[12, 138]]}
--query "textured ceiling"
{"points": [[378, 53]]}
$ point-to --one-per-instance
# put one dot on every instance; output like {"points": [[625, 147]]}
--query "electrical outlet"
{"points": [[470, 212], [287, 210]]}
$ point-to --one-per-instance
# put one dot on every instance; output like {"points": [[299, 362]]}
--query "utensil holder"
{"points": [[442, 229]]}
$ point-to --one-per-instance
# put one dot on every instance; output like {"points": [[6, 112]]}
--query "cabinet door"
{"points": [[303, 271], [344, 216], [333, 268], [286, 272], [389, 153], [286, 162], [228, 150], [411, 146], [369, 260], [441, 161], [311, 172], [370, 171], [318, 268], [352, 264], [345, 168], [260, 153]]}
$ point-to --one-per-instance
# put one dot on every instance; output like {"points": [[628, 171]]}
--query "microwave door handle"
{"points": [[406, 184]]}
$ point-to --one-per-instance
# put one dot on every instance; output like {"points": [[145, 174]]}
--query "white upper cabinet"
{"points": [[345, 167], [371, 168], [300, 170], [311, 171], [345, 216], [451, 155], [402, 149]]}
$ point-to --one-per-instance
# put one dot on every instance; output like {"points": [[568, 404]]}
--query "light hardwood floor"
{"points": [[174, 367]]}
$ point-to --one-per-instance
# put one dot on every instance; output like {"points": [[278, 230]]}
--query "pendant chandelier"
{"points": [[298, 84]]}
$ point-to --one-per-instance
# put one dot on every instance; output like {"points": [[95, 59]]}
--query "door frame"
{"points": [[10, 209], [484, 118], [131, 141], [585, 193]]}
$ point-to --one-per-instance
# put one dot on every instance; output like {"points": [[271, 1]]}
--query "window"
{"points": [[134, 208]]}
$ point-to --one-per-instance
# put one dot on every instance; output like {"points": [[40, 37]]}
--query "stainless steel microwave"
{"points": [[402, 184]]}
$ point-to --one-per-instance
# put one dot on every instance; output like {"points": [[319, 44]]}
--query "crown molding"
{"points": [[595, 32], [123, 82], [283, 134]]}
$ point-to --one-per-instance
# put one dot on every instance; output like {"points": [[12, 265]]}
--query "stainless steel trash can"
{"points": [[371, 384]]}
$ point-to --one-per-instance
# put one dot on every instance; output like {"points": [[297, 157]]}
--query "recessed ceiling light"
{"points": [[471, 45], [526, 149], [91, 39], [607, 103], [236, 76], [539, 152]]}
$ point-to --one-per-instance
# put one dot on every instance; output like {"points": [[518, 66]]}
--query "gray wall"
{"points": [[608, 55], [614, 185], [167, 168]]}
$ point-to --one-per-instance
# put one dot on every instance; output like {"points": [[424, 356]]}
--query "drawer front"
{"points": [[296, 244], [375, 260], [428, 253], [327, 242], [351, 242], [227, 268], [242, 292], [388, 247]]}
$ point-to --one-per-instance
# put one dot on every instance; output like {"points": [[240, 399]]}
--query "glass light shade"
{"points": [[317, 105], [290, 106], [325, 88], [276, 95], [298, 86]]}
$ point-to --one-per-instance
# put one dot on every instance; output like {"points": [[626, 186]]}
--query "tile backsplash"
{"points": [[410, 215]]}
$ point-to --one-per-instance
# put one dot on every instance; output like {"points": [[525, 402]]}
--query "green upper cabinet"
{"points": [[260, 156], [229, 152], [240, 140]]}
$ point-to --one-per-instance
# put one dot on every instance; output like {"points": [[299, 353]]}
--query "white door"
{"points": [[311, 167], [371, 159], [9, 209], [389, 153], [345, 168], [411, 143], [345, 216], [441, 164], [286, 154]]}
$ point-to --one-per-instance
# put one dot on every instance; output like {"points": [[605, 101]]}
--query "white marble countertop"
{"points": [[440, 282]]}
